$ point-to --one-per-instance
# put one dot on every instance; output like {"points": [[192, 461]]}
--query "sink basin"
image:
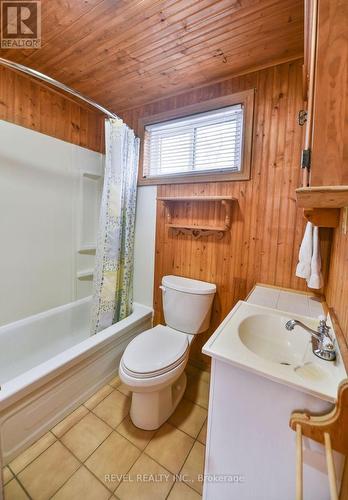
{"points": [[312, 371], [254, 338], [266, 336]]}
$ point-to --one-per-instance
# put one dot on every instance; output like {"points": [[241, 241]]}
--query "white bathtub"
{"points": [[49, 364]]}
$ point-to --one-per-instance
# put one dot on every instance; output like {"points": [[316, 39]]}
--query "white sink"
{"points": [[255, 338], [266, 336]]}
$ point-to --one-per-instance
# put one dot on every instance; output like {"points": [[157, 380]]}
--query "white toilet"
{"points": [[153, 364]]}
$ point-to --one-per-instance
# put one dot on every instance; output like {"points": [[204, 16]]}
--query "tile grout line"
{"points": [[82, 464], [59, 440], [65, 432], [167, 421], [200, 430], [18, 479], [21, 485], [196, 440], [90, 409], [91, 453], [63, 484], [135, 461], [182, 468], [39, 455], [142, 451]]}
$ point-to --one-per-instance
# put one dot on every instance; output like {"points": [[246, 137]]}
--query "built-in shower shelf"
{"points": [[85, 275], [87, 249], [196, 230], [92, 176]]}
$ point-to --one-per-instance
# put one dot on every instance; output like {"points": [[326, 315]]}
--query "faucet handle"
{"points": [[323, 328], [322, 320]]}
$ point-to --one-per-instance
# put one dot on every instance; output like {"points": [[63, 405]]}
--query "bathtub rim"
{"points": [[30, 380], [44, 314]]}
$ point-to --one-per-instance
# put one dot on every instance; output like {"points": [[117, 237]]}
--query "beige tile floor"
{"points": [[96, 452]]}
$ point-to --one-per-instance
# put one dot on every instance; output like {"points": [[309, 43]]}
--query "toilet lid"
{"points": [[155, 349]]}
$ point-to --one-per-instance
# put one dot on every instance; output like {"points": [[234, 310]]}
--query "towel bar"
{"points": [[331, 430]]}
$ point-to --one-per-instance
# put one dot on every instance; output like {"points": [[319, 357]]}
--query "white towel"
{"points": [[309, 265], [316, 278], [303, 269]]}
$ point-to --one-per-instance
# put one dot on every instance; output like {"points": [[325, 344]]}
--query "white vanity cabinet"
{"points": [[250, 442], [251, 450]]}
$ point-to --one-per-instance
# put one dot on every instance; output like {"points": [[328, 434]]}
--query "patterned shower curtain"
{"points": [[113, 275]]}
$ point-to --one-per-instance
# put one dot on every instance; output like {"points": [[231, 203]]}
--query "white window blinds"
{"points": [[204, 142]]}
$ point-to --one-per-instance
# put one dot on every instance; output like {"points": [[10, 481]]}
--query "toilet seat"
{"points": [[153, 364], [155, 352]]}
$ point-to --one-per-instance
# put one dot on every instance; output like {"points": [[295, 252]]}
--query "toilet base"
{"points": [[149, 410]]}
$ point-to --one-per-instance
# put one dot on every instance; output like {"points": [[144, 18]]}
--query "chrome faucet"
{"points": [[323, 345]]}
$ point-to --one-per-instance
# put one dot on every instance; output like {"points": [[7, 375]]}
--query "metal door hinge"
{"points": [[302, 117], [306, 159]]}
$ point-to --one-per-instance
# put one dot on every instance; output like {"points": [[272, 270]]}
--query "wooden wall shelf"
{"points": [[322, 197], [198, 231], [322, 204], [196, 198]]}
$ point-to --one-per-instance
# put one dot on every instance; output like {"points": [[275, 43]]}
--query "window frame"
{"points": [[245, 98]]}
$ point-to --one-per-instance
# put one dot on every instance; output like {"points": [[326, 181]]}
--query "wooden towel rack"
{"points": [[331, 430]]}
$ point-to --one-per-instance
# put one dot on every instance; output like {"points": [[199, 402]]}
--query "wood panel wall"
{"points": [[28, 103], [337, 288], [267, 227], [330, 144], [330, 127]]}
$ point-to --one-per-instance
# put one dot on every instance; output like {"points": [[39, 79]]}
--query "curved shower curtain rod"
{"points": [[55, 83]]}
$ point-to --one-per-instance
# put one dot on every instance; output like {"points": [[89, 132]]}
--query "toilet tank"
{"points": [[187, 303]]}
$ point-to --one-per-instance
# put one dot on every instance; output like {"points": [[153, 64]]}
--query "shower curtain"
{"points": [[113, 275]]}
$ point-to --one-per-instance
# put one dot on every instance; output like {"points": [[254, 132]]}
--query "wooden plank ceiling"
{"points": [[124, 53]]}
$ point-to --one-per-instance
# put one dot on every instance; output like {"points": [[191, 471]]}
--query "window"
{"points": [[197, 146]]}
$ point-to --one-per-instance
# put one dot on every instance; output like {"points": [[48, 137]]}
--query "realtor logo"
{"points": [[20, 25]]}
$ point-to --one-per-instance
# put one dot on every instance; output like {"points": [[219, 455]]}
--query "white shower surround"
{"points": [[58, 366], [49, 205], [54, 365]]}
